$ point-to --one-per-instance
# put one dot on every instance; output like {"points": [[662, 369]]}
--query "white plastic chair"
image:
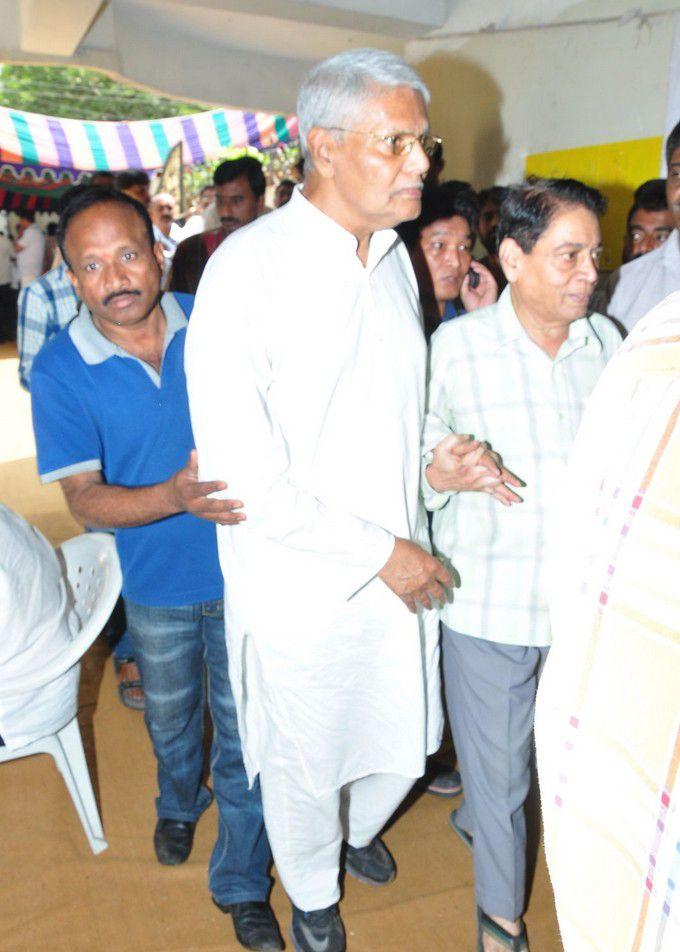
{"points": [[93, 585]]}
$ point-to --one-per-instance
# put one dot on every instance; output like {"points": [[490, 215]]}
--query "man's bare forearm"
{"points": [[99, 505]]}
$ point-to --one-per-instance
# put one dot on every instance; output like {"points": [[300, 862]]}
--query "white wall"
{"points": [[498, 97]]}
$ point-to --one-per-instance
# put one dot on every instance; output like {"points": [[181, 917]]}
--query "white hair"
{"points": [[333, 90]]}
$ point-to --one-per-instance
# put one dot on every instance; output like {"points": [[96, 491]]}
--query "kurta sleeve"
{"points": [[231, 377], [439, 419]]}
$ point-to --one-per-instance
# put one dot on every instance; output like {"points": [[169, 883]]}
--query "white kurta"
{"points": [[306, 376]]}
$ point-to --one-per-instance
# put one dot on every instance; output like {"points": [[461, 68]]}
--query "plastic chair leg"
{"points": [[70, 758]]}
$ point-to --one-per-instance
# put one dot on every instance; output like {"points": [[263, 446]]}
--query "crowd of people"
{"points": [[248, 406]]}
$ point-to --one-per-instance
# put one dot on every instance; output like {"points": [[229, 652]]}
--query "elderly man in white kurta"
{"points": [[306, 371]]}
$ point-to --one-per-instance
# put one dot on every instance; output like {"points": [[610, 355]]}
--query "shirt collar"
{"points": [[333, 233], [94, 348], [509, 327], [581, 332]]}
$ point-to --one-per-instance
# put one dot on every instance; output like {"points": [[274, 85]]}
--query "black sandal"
{"points": [[486, 925]]}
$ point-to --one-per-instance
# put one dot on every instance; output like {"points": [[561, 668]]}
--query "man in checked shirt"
{"points": [[516, 374]]}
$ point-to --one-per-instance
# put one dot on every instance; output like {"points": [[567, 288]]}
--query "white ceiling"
{"points": [[253, 53]]}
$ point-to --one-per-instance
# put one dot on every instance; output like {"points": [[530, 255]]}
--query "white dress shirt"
{"points": [[641, 284], [30, 258], [306, 378], [488, 378], [33, 631]]}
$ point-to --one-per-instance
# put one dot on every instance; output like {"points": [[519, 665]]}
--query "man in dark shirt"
{"points": [[239, 199]]}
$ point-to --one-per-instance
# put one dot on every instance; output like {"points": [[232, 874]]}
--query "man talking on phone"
{"points": [[440, 242]]}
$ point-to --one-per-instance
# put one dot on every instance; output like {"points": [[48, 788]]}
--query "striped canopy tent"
{"points": [[33, 142], [34, 188]]}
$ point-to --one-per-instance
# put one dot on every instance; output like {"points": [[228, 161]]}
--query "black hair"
{"points": [[528, 209], [496, 194], [440, 202], [103, 174], [235, 168], [286, 181], [82, 197], [131, 177], [653, 191], [649, 197], [205, 188], [27, 214], [672, 142]]}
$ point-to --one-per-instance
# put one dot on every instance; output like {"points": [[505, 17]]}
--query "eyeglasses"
{"points": [[400, 143]]}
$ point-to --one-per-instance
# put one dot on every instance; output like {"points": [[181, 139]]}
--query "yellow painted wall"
{"points": [[616, 169]]}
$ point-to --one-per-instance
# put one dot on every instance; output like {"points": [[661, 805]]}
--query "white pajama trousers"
{"points": [[306, 832]]}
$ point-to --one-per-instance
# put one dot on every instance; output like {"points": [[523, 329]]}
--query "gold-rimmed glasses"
{"points": [[400, 143]]}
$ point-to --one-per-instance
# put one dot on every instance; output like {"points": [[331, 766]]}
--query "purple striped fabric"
{"points": [[252, 129], [60, 142], [192, 139], [132, 156]]}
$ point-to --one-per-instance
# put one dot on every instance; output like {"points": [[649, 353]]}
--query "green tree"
{"points": [[74, 93]]}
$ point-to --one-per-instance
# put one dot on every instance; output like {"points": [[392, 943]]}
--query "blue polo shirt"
{"points": [[96, 407]]}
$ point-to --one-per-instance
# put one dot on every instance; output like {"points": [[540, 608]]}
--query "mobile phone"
{"points": [[474, 277]]}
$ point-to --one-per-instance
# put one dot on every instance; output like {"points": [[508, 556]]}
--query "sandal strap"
{"points": [[514, 943], [126, 685]]}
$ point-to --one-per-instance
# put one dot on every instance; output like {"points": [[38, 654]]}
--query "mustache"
{"points": [[115, 294]]}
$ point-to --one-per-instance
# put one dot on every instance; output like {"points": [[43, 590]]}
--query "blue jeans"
{"points": [[172, 647], [123, 649]]}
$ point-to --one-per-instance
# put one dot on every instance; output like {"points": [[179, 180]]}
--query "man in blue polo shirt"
{"points": [[112, 424]]}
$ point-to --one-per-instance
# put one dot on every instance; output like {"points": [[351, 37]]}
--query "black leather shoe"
{"points": [[173, 840], [254, 925]]}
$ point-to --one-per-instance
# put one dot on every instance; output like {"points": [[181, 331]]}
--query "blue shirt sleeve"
{"points": [[66, 436]]}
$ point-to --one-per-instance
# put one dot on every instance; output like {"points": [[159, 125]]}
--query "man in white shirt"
{"points": [[516, 374], [29, 248], [33, 631], [641, 284], [308, 389]]}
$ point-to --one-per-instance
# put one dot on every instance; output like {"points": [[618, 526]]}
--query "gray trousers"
{"points": [[490, 695]]}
